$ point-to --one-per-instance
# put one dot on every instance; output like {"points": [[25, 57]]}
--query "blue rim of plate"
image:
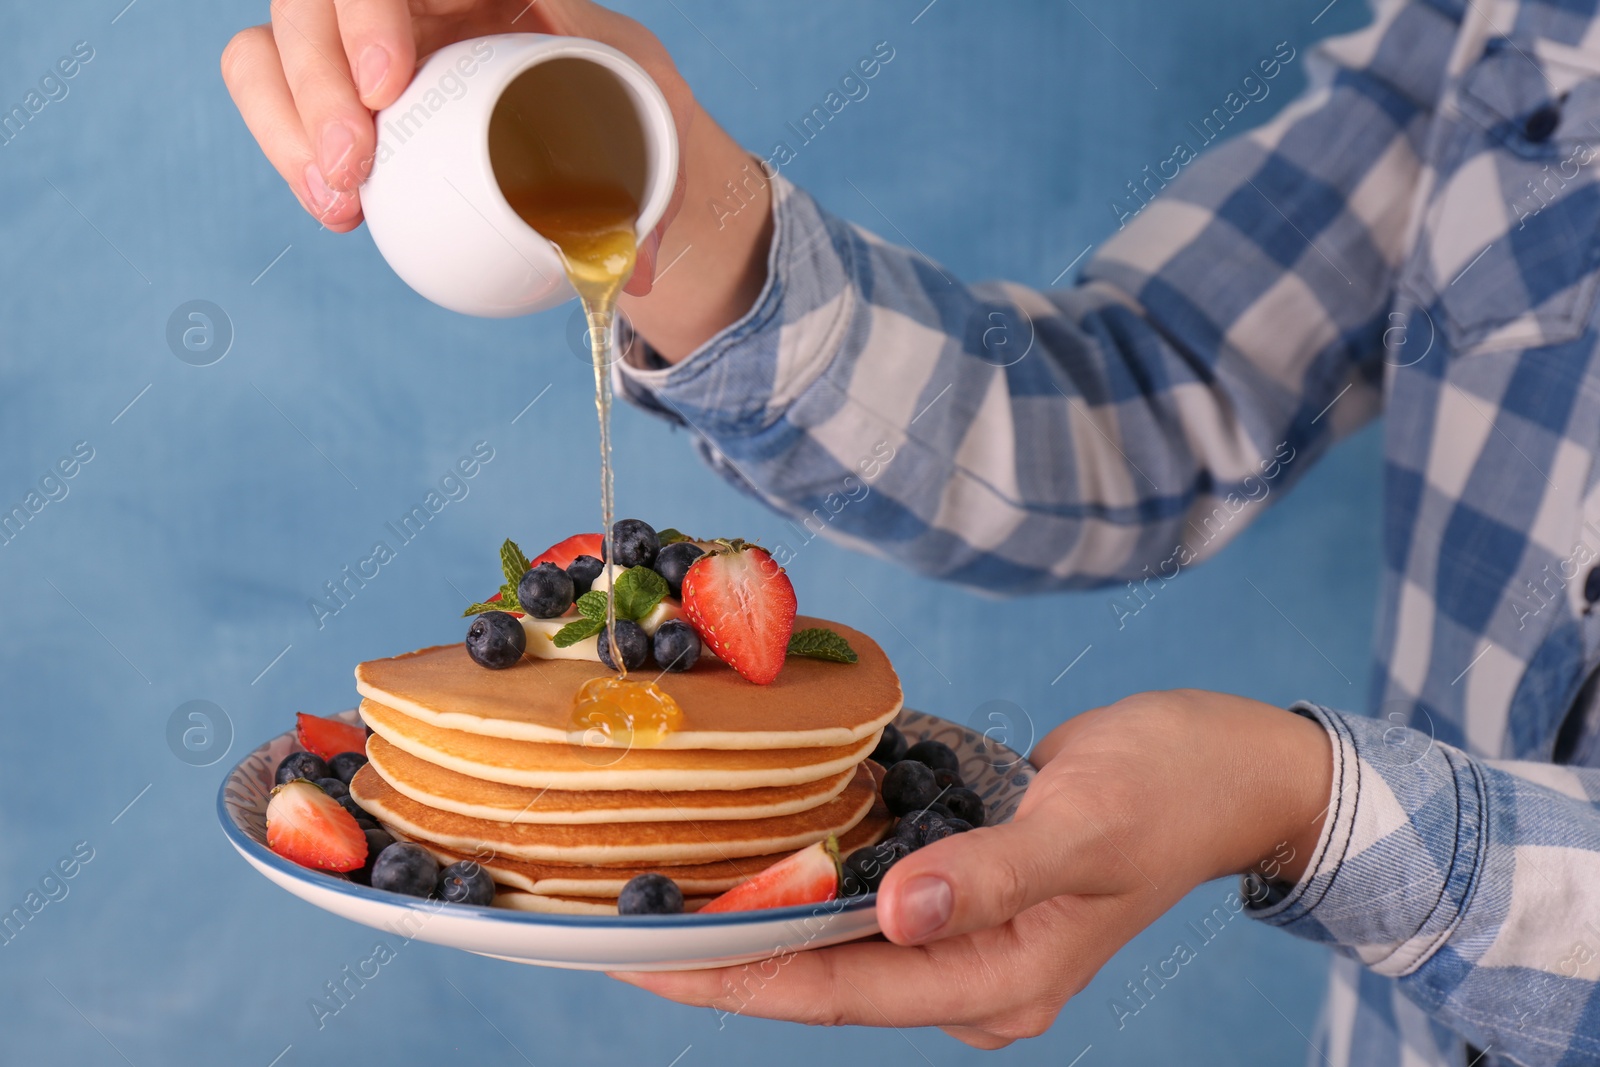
{"points": [[915, 725]]}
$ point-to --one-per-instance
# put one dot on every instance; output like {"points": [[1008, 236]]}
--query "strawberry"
{"points": [[742, 604], [308, 826], [329, 737], [810, 876], [564, 552]]}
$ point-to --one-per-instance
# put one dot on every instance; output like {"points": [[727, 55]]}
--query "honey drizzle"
{"points": [[593, 229]]}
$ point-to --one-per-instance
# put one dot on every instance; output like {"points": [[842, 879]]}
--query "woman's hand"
{"points": [[991, 932], [308, 82]]}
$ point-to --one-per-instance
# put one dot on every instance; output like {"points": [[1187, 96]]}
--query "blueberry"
{"points": [[935, 754], [650, 894], [367, 822], [863, 870], [349, 804], [377, 841], [406, 868], [345, 765], [466, 882], [959, 826], [545, 591], [947, 779], [633, 642], [891, 747], [908, 787], [675, 645], [496, 640], [965, 805], [940, 809], [583, 571], [300, 765], [635, 543], [333, 787], [921, 828], [672, 563]]}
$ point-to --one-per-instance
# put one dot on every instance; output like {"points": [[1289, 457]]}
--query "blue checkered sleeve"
{"points": [[1020, 439], [1474, 883]]}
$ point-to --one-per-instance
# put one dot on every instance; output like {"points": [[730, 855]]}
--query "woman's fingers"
{"points": [[253, 70], [338, 127], [378, 47]]}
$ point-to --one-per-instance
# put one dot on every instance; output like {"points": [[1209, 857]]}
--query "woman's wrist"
{"points": [[712, 262]]}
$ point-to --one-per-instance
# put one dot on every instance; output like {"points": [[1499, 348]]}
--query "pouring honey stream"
{"points": [[576, 200]]}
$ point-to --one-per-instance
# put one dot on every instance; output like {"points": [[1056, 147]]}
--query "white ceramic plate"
{"points": [[598, 942]]}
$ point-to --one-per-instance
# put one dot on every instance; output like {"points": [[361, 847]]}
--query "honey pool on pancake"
{"points": [[580, 200]]}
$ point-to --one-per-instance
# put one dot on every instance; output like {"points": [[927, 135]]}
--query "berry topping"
{"points": [[965, 805], [377, 841], [349, 804], [863, 870], [496, 640], [300, 765], [345, 765], [466, 882], [564, 552], [635, 543], [743, 606], [583, 571], [545, 591], [306, 825], [946, 779], [891, 747], [936, 754], [333, 787], [922, 828], [631, 639], [650, 894], [329, 737], [675, 645], [406, 868], [908, 787], [810, 876], [672, 563]]}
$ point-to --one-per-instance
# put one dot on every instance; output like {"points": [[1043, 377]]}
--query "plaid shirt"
{"points": [[1420, 233]]}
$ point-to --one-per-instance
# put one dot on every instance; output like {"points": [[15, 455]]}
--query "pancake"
{"points": [[615, 844], [717, 877], [812, 704], [575, 767], [448, 790], [517, 900]]}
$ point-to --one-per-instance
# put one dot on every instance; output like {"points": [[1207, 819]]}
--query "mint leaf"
{"points": [[573, 632], [487, 605], [819, 643], [513, 564], [669, 536], [592, 606], [638, 591]]}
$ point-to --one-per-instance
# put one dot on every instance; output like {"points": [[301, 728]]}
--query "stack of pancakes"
{"points": [[486, 765]]}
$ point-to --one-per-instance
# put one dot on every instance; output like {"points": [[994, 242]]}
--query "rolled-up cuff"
{"points": [[1401, 848]]}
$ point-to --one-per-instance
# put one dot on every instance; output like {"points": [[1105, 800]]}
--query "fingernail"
{"points": [[338, 141], [317, 191], [371, 68], [924, 907]]}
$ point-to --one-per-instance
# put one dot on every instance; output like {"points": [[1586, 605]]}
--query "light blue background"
{"points": [[994, 140]]}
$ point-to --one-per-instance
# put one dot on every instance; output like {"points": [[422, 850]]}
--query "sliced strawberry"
{"points": [[810, 876], [329, 737], [742, 604], [308, 826], [564, 552]]}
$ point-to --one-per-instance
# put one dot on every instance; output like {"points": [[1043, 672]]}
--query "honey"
{"points": [[585, 201]]}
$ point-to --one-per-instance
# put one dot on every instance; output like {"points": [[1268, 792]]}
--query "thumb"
{"points": [[982, 878]]}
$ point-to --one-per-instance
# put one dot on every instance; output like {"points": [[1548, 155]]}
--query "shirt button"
{"points": [[1591, 586], [1542, 123]]}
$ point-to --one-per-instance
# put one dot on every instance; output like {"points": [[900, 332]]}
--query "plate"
{"points": [[598, 942]]}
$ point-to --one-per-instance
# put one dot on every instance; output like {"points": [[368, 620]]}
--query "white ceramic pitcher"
{"points": [[432, 201]]}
